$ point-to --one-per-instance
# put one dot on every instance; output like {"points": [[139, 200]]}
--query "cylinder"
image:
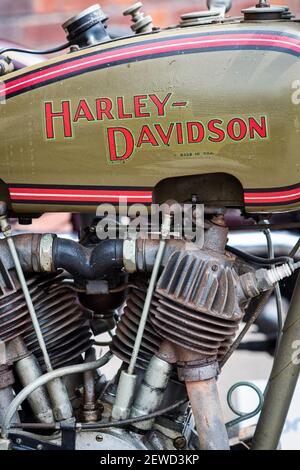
{"points": [[62, 408], [282, 381], [151, 391], [29, 370], [208, 416]]}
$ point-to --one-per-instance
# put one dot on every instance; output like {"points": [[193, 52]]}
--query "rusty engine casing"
{"points": [[207, 108]]}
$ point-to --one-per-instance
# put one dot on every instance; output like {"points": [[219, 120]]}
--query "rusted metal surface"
{"points": [[60, 316], [167, 352], [91, 409], [207, 413], [195, 304]]}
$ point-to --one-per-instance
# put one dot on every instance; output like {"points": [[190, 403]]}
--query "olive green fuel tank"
{"points": [[212, 110]]}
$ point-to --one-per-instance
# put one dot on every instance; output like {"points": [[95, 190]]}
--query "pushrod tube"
{"points": [[44, 379]]}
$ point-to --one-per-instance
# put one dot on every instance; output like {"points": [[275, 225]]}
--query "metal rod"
{"points": [[282, 381], [139, 336], [295, 249], [205, 403], [259, 227], [277, 292]]}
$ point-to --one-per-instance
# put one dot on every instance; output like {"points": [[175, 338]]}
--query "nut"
{"points": [[179, 442]]}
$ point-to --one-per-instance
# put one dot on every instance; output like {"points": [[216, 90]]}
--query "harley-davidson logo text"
{"points": [[148, 121]]}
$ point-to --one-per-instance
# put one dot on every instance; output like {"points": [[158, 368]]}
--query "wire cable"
{"points": [[110, 424], [137, 419], [257, 259], [33, 51]]}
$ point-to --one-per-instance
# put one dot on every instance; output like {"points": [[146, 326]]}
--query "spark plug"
{"points": [[256, 282]]}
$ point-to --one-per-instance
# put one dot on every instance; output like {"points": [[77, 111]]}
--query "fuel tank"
{"points": [[210, 109]]}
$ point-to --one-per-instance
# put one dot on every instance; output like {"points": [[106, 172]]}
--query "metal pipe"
{"points": [[277, 291], [205, 403], [165, 230], [151, 391], [50, 376], [90, 410], [89, 395], [28, 369], [282, 381]]}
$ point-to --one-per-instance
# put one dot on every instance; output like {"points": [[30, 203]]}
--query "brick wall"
{"points": [[36, 23]]}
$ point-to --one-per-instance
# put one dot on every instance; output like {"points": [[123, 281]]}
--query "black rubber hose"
{"points": [[257, 259], [88, 262]]}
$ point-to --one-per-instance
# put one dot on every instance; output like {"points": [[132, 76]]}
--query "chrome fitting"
{"points": [[45, 251], [129, 256]]}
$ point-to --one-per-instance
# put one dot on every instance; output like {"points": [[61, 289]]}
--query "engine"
{"points": [[177, 304]]}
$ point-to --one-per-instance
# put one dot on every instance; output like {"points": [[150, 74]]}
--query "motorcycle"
{"points": [[160, 137]]}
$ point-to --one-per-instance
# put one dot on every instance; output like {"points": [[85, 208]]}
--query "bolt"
{"points": [[262, 4], [142, 23], [100, 406], [179, 442], [19, 441], [133, 11], [214, 267], [99, 438], [39, 447]]}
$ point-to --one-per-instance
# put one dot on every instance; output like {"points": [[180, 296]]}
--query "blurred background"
{"points": [[36, 23]]}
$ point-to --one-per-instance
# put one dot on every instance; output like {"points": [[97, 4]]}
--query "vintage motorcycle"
{"points": [[204, 115]]}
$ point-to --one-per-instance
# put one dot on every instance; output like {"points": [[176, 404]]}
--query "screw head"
{"points": [[99, 438], [19, 441], [39, 447]]}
